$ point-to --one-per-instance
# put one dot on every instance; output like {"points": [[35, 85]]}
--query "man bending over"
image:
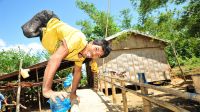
{"points": [[63, 42]]}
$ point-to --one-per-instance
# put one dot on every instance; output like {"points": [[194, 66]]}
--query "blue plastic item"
{"points": [[142, 75], [68, 80], [60, 106]]}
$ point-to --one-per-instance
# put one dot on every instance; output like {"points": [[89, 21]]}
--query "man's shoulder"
{"points": [[80, 38]]}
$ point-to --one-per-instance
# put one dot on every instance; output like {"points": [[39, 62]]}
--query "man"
{"points": [[63, 42], [2, 98]]}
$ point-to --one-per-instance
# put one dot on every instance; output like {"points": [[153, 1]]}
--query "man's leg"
{"points": [[33, 28]]}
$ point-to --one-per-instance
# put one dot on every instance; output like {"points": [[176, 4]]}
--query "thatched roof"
{"points": [[135, 32]]}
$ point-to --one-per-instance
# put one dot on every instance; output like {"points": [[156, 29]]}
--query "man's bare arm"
{"points": [[52, 66], [76, 80]]}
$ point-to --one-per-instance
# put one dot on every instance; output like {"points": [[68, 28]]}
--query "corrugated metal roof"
{"points": [[40, 67], [135, 32]]}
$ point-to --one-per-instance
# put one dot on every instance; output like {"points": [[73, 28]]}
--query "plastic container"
{"points": [[24, 73], [68, 80], [60, 106]]}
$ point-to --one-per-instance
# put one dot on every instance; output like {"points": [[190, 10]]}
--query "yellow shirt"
{"points": [[94, 66], [56, 31]]}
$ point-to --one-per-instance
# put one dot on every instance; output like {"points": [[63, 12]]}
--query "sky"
{"points": [[14, 13]]}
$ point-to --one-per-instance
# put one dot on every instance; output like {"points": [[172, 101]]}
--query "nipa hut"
{"points": [[134, 52]]}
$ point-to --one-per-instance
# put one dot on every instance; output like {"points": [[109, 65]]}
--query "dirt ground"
{"points": [[135, 103]]}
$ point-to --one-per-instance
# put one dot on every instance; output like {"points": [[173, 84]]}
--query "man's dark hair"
{"points": [[105, 46]]}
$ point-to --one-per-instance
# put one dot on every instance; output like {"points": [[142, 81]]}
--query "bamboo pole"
{"points": [[19, 88], [153, 100], [175, 55], [124, 97], [40, 108], [146, 103], [113, 90]]}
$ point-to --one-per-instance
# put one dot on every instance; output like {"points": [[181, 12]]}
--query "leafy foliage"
{"points": [[181, 28], [126, 19], [10, 60], [191, 18], [146, 7]]}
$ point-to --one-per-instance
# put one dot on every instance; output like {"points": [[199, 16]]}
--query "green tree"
{"points": [[146, 7], [191, 19], [126, 19], [180, 27], [96, 27]]}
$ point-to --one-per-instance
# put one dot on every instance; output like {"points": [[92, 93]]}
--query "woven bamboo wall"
{"points": [[141, 55]]}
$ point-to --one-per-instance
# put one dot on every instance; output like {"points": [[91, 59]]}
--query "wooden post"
{"points": [[144, 91], [40, 109], [113, 89], [124, 97], [19, 88], [100, 83], [106, 87]]}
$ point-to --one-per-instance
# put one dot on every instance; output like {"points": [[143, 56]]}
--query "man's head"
{"points": [[97, 49]]}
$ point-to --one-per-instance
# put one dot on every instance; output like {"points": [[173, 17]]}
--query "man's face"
{"points": [[93, 51]]}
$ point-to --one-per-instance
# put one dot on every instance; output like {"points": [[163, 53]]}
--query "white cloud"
{"points": [[2, 43], [35, 46], [32, 47]]}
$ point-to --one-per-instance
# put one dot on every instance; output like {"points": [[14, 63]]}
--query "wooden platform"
{"points": [[91, 101]]}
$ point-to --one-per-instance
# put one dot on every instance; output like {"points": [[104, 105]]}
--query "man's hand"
{"points": [[53, 94], [73, 96], [74, 99]]}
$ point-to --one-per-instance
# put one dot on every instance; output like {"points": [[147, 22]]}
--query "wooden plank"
{"points": [[90, 101]]}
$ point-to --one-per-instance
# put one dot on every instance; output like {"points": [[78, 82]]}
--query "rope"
{"points": [[106, 33]]}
